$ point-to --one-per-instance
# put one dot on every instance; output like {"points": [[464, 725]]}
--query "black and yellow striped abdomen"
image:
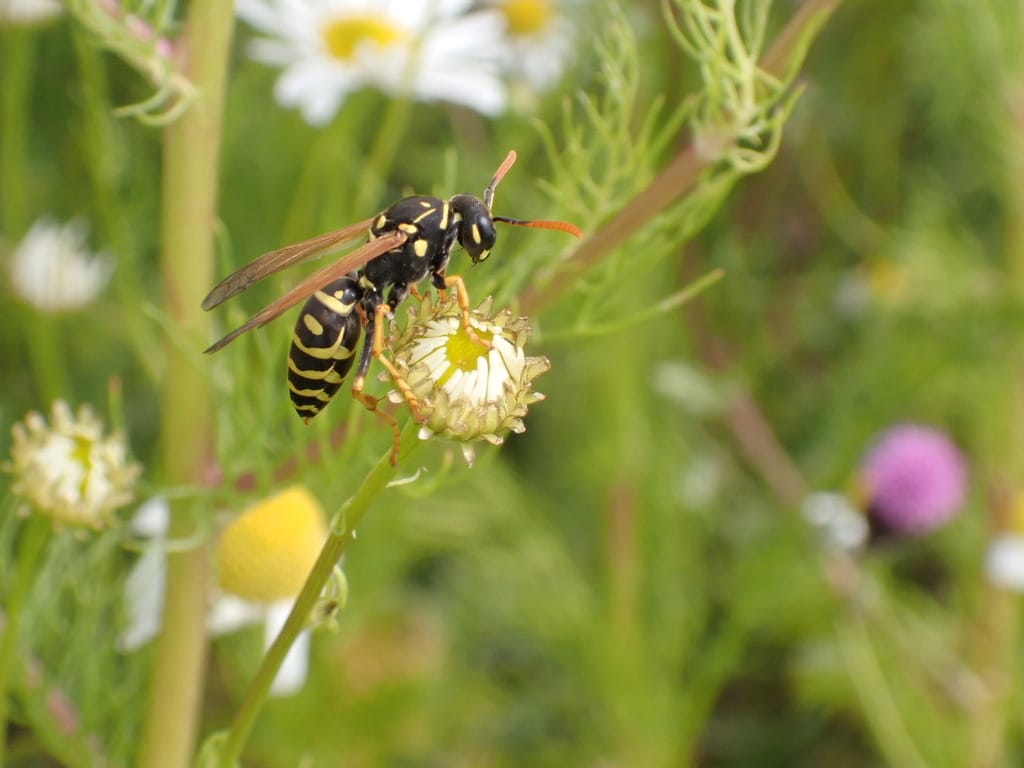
{"points": [[323, 345]]}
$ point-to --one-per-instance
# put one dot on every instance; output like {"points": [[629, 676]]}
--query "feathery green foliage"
{"points": [[801, 225]]}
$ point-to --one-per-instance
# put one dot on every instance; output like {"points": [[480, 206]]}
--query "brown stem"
{"points": [[682, 171]]}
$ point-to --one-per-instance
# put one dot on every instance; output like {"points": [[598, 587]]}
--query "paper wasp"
{"points": [[408, 242]]}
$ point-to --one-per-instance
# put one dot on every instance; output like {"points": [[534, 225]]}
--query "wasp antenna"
{"points": [[507, 163], [560, 226]]}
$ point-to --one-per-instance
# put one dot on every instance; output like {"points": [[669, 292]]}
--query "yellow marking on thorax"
{"points": [[424, 215], [409, 229], [444, 215], [419, 247]]}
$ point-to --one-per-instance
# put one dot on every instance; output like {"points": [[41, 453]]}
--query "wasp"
{"points": [[353, 296]]}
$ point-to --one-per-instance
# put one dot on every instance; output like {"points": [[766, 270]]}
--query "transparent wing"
{"points": [[318, 279], [272, 262]]}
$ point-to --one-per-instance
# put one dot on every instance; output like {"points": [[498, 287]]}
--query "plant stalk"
{"points": [[191, 154], [343, 527], [34, 535]]}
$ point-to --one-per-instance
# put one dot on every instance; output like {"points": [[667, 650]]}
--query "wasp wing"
{"points": [[269, 263], [318, 279]]}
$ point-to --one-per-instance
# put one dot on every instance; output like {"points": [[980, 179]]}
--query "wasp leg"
{"points": [[369, 401], [462, 297], [377, 350], [397, 295]]}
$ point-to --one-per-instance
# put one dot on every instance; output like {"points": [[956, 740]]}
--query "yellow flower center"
{"points": [[265, 554], [1017, 514], [526, 17], [344, 35], [463, 351]]}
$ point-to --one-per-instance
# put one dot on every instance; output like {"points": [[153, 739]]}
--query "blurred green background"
{"points": [[628, 583]]}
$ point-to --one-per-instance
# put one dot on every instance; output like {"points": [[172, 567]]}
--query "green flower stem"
{"points": [[46, 355], [884, 717], [383, 152], [343, 526], [35, 534], [17, 56], [190, 164], [682, 172]]}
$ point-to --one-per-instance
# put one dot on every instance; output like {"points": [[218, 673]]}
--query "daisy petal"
{"points": [[292, 674]]}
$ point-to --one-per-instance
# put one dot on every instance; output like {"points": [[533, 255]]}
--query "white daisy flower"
{"points": [[423, 49], [1004, 559], [1004, 562], [29, 11], [52, 269], [67, 470], [263, 557], [464, 390], [539, 40]]}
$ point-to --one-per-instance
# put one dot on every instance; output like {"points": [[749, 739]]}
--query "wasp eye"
{"points": [[478, 237]]}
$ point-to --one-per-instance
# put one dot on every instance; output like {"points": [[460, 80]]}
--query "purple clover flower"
{"points": [[914, 479]]}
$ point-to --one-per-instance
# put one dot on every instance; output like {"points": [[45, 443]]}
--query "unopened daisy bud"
{"points": [[266, 553], [332, 601], [68, 470], [465, 390]]}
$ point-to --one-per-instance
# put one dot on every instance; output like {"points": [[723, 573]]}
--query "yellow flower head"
{"points": [[527, 17], [265, 554]]}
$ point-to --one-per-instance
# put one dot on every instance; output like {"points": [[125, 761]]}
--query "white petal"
{"points": [[455, 383], [144, 600], [230, 613], [151, 518], [286, 19], [316, 87], [53, 270], [292, 674], [29, 11], [837, 522], [497, 378], [459, 63], [1004, 562]]}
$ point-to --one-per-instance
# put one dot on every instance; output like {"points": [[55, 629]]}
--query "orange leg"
{"points": [[377, 350], [462, 297], [370, 403]]}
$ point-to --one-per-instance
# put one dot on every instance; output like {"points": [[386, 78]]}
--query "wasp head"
{"points": [[476, 227]]}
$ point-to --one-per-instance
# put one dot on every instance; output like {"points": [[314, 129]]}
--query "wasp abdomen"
{"points": [[323, 345]]}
